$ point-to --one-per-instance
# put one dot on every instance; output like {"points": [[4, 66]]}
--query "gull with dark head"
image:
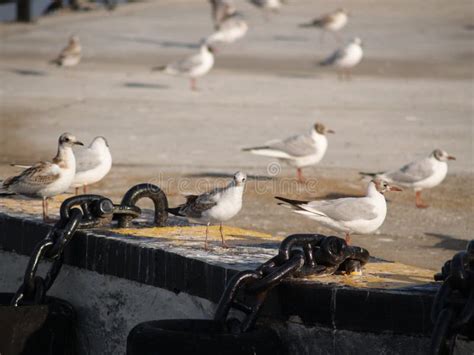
{"points": [[192, 67], [92, 164], [70, 55], [359, 215], [46, 179], [346, 58], [332, 22], [424, 173], [300, 150], [218, 205]]}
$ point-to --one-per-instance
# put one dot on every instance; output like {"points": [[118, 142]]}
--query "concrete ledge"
{"points": [[388, 297]]}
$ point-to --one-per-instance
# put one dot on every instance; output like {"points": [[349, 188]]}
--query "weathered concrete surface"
{"points": [[412, 93], [108, 307]]}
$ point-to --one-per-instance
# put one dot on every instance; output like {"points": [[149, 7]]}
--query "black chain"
{"points": [[83, 211], [453, 308], [100, 211], [299, 255], [34, 288]]}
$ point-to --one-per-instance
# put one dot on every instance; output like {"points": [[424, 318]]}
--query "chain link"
{"points": [[299, 255]]}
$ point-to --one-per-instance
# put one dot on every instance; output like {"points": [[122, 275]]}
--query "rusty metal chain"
{"points": [[453, 308], [299, 255]]}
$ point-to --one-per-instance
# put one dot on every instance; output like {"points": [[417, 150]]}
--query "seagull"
{"points": [[346, 58], [70, 55], [267, 5], [46, 179], [92, 164], [298, 151], [420, 174], [333, 22], [194, 66], [360, 215], [218, 205], [232, 28], [221, 9]]}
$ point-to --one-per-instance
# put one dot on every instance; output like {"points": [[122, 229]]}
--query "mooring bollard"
{"points": [[299, 255]]}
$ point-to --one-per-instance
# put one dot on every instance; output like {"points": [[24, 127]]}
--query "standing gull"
{"points": [[420, 174], [193, 67], [360, 215], [46, 179], [70, 55], [333, 22], [218, 205], [344, 59], [92, 164], [232, 28], [299, 151]]}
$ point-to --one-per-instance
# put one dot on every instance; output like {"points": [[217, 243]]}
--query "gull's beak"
{"points": [[394, 188], [450, 157], [330, 131], [78, 143]]}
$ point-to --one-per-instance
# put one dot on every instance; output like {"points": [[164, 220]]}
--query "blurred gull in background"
{"points": [[332, 22], [193, 67], [420, 174], [70, 55], [344, 59], [299, 151]]}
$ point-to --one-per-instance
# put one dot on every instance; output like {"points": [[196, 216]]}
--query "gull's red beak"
{"points": [[395, 188], [450, 157]]}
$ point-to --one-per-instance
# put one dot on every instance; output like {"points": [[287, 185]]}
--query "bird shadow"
{"points": [[28, 72], [136, 85], [448, 242], [283, 38], [161, 43], [225, 175]]}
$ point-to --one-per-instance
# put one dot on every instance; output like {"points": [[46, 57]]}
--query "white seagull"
{"points": [[221, 9], [420, 174], [232, 28], [346, 58], [359, 215], [218, 205], [267, 5], [92, 164], [46, 179], [299, 151], [332, 22], [70, 55], [194, 66]]}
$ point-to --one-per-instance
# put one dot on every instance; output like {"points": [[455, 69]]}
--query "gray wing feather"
{"points": [[196, 205], [297, 146], [340, 53], [345, 209], [413, 172], [187, 64]]}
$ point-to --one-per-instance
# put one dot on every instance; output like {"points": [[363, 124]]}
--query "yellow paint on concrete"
{"points": [[385, 275], [231, 233]]}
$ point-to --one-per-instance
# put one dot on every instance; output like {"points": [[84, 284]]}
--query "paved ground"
{"points": [[412, 93]]}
